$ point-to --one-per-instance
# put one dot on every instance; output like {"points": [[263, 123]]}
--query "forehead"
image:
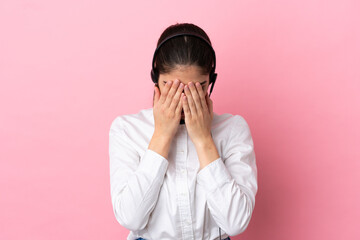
{"points": [[185, 74]]}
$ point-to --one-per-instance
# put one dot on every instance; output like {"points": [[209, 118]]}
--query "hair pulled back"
{"points": [[184, 50]]}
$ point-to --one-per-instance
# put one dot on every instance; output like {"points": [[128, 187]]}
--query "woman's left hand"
{"points": [[198, 110]]}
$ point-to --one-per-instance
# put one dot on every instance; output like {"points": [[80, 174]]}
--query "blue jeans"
{"points": [[228, 238]]}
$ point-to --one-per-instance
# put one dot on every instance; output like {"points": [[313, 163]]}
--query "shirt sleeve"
{"points": [[135, 181], [231, 183]]}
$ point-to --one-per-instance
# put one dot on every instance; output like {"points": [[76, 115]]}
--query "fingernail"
{"points": [[168, 83]]}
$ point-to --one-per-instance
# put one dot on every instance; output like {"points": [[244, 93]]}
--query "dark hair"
{"points": [[184, 50]]}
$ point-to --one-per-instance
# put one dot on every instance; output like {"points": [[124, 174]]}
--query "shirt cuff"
{"points": [[213, 176], [153, 164]]}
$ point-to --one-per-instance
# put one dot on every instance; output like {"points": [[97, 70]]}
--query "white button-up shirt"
{"points": [[158, 198]]}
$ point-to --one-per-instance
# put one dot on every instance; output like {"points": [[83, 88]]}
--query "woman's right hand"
{"points": [[167, 114], [167, 109]]}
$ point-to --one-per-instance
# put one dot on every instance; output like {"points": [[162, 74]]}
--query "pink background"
{"points": [[68, 68]]}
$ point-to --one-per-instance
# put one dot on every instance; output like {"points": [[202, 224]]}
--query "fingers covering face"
{"points": [[190, 100], [201, 95], [175, 100], [191, 97], [196, 98], [165, 91], [171, 93]]}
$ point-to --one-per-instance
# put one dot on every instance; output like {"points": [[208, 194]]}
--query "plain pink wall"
{"points": [[68, 68]]}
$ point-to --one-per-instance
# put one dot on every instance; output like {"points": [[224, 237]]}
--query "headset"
{"points": [[212, 76]]}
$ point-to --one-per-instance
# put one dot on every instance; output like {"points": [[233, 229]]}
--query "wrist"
{"points": [[160, 144], [160, 136], [204, 142], [207, 152]]}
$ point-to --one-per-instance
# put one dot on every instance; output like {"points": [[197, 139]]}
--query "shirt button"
{"points": [[181, 151], [183, 171], [188, 222]]}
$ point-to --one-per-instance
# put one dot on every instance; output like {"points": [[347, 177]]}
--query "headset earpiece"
{"points": [[154, 76]]}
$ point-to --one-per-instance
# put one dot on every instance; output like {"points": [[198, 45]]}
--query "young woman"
{"points": [[178, 170]]}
